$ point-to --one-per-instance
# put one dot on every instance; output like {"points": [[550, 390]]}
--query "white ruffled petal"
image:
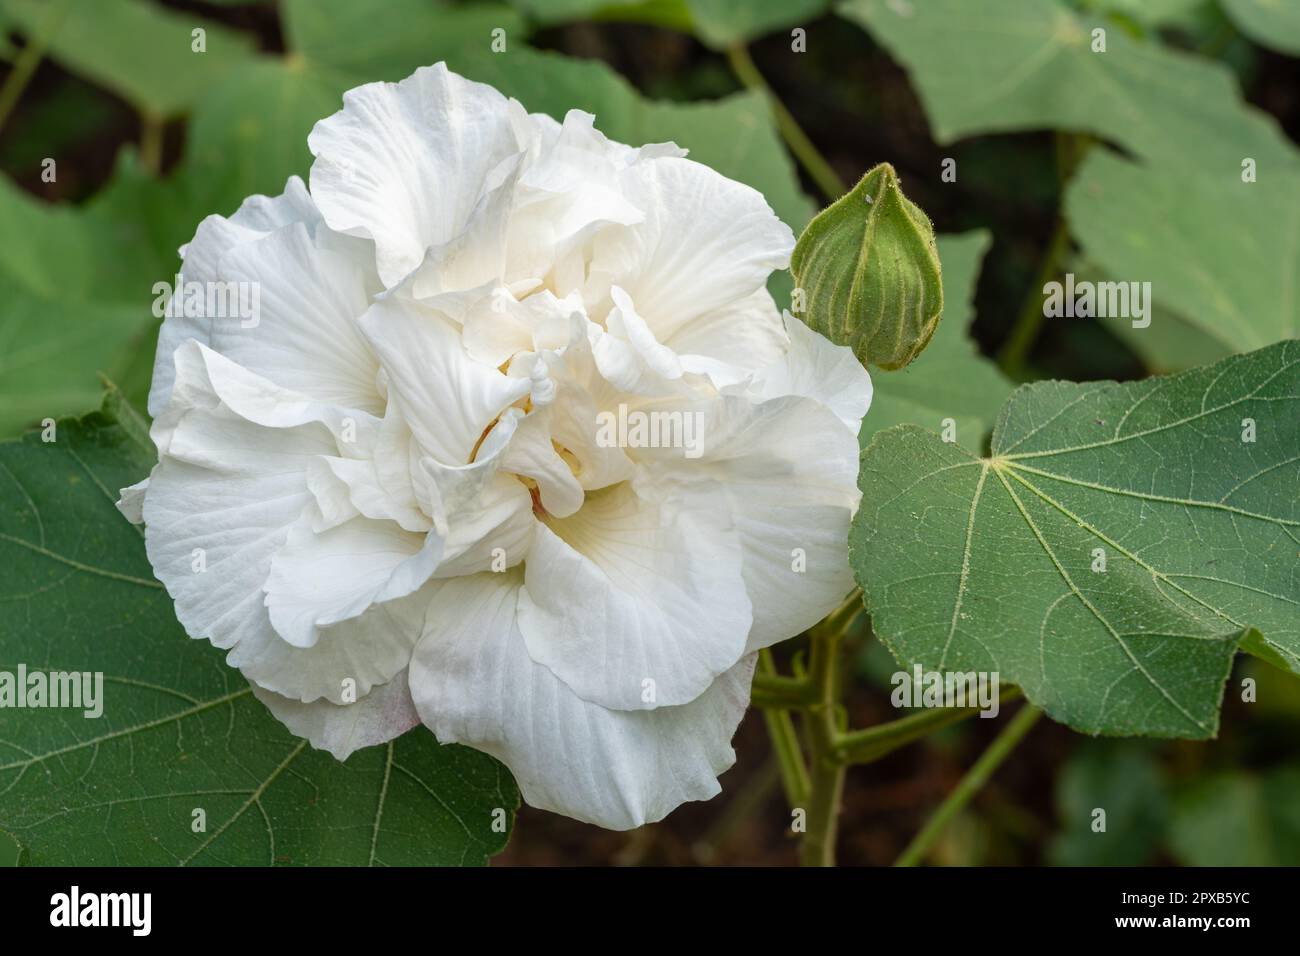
{"points": [[636, 605], [257, 217], [789, 471], [230, 484], [446, 398], [385, 713], [405, 164], [303, 334], [322, 578], [817, 368], [706, 242], [731, 343], [474, 683]]}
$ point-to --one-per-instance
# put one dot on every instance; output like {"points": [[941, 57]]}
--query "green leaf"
{"points": [[51, 351], [1123, 779], [180, 730], [1006, 65], [1222, 253], [138, 50], [1149, 13], [992, 564], [950, 379], [671, 14], [1271, 23], [1239, 819], [722, 23], [249, 135], [341, 34], [870, 272], [1169, 344], [75, 292]]}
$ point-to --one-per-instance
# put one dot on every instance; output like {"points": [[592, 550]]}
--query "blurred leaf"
{"points": [[1223, 254], [1239, 818], [52, 349], [950, 379], [672, 14], [993, 564], [75, 295], [7, 51], [1150, 13], [1169, 344], [250, 134], [869, 270], [1122, 779], [180, 730], [136, 49], [342, 36], [722, 23], [1271, 23], [1005, 65]]}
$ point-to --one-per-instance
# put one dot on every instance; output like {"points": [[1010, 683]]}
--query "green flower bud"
{"points": [[869, 271]]}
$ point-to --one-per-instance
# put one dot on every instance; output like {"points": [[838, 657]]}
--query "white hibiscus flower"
{"points": [[399, 486]]}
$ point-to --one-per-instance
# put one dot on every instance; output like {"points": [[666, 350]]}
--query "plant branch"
{"points": [[975, 778], [1070, 151], [785, 741], [821, 171], [25, 64], [826, 776], [868, 746], [1029, 322], [151, 143]]}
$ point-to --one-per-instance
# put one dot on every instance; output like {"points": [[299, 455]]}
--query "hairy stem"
{"points": [[975, 778], [821, 171]]}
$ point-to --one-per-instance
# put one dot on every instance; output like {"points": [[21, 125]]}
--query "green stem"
{"points": [[822, 173], [28, 60], [1070, 151], [868, 746], [151, 143], [975, 778], [1029, 322], [785, 741], [826, 778], [781, 693]]}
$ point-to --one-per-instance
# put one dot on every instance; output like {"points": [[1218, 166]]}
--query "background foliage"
{"points": [[1124, 164]]}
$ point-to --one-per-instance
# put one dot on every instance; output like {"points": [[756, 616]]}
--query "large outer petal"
{"points": [[405, 164], [342, 729], [231, 480], [789, 469], [474, 683], [309, 298], [628, 591]]}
